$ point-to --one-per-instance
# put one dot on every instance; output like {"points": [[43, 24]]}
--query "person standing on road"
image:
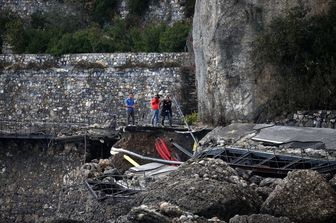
{"points": [[166, 110], [130, 107], [155, 105]]}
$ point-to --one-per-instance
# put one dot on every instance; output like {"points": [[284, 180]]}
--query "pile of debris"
{"points": [[219, 183], [209, 190], [310, 142], [105, 181]]}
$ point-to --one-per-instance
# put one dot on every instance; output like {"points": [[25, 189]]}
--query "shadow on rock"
{"points": [[303, 196]]}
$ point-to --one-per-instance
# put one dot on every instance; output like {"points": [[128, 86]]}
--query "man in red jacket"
{"points": [[155, 105]]}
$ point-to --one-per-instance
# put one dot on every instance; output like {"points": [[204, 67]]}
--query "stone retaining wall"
{"points": [[318, 119], [90, 88]]}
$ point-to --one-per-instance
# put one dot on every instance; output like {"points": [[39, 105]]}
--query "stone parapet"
{"points": [[318, 119]]}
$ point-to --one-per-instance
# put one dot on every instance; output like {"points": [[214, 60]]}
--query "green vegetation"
{"points": [[173, 39], [101, 32], [303, 50], [5, 19], [191, 118]]}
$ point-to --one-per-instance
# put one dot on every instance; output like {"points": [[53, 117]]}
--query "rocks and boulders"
{"points": [[210, 190], [303, 196], [207, 187], [227, 135], [63, 220], [332, 182], [163, 213], [258, 218]]}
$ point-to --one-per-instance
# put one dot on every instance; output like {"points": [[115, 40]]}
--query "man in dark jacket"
{"points": [[166, 110]]}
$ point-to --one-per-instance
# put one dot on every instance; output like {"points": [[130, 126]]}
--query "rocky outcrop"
{"points": [[231, 85], [303, 196]]}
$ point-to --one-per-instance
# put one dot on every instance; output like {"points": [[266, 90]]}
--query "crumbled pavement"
{"points": [[209, 190]]}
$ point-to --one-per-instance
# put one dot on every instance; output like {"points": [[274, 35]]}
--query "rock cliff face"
{"points": [[231, 85], [166, 11]]}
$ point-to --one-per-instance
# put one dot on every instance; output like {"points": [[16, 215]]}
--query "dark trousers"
{"points": [[169, 115], [130, 114]]}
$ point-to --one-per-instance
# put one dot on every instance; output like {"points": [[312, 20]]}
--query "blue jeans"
{"points": [[155, 117]]}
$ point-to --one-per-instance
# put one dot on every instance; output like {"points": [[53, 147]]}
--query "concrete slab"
{"points": [[155, 169], [230, 133], [146, 167], [284, 134]]}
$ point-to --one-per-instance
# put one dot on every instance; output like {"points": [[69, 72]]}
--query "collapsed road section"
{"points": [[159, 157], [107, 174]]}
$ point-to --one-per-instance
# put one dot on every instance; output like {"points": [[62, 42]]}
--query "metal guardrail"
{"points": [[113, 186], [269, 163]]}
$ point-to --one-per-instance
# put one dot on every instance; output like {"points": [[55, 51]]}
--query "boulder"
{"points": [[303, 196], [190, 218], [258, 218], [208, 168], [143, 214], [164, 214], [103, 163], [170, 210], [264, 192], [332, 182], [206, 188], [270, 182]]}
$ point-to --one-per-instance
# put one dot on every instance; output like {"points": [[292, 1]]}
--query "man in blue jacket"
{"points": [[130, 105]]}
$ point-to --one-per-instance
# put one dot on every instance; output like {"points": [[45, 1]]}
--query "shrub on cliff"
{"points": [[174, 38], [121, 36], [303, 50], [147, 39], [16, 35], [5, 18], [90, 40]]}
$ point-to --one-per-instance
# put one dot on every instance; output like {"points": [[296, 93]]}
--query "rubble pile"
{"points": [[258, 218], [208, 189], [303, 196], [240, 135], [165, 212]]}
